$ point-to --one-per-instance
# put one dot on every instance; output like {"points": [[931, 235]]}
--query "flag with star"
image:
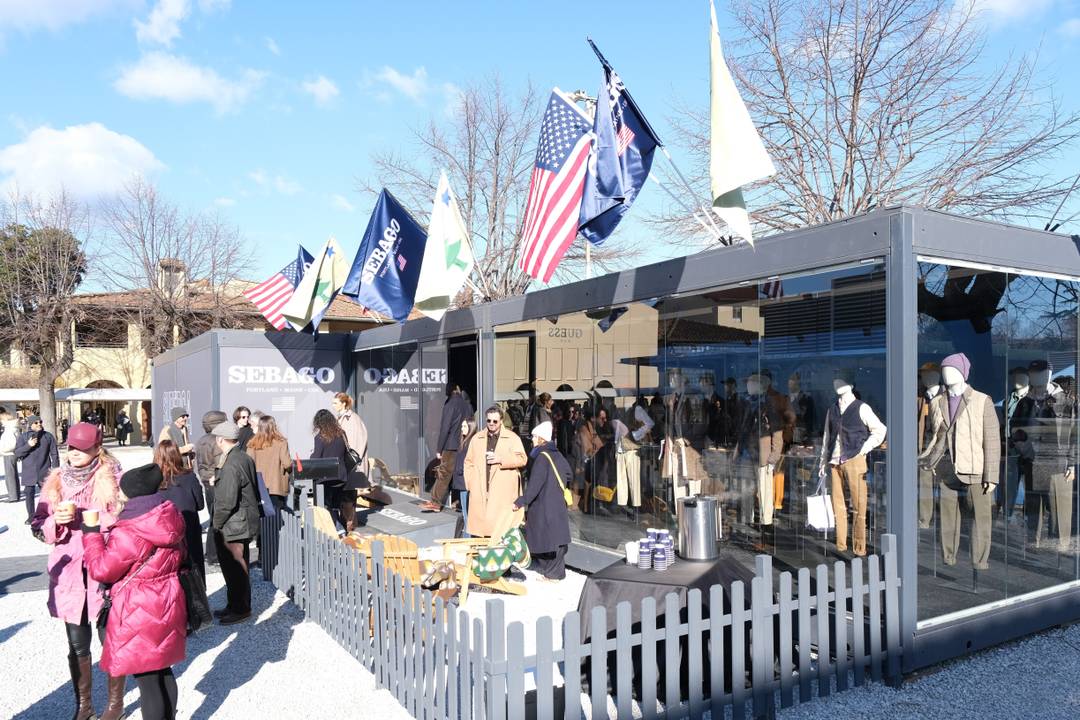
{"points": [[387, 266], [317, 288], [448, 259]]}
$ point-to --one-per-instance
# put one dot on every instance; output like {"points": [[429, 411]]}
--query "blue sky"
{"points": [[268, 111]]}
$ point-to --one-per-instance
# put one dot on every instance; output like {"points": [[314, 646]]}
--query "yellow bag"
{"points": [[565, 493], [603, 494]]}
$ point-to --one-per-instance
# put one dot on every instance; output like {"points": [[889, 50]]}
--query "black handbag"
{"points": [[198, 604], [352, 459]]}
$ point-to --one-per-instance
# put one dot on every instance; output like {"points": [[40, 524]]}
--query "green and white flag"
{"points": [[448, 258], [737, 156], [317, 288]]}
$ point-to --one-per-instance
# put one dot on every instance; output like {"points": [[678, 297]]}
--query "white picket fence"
{"points": [[822, 631]]}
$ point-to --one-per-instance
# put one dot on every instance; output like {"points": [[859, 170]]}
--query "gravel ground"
{"points": [[1035, 677], [275, 660]]}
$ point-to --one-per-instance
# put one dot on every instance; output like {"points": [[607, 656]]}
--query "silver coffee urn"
{"points": [[698, 529]]}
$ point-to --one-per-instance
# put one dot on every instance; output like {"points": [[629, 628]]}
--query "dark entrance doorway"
{"points": [[462, 365]]}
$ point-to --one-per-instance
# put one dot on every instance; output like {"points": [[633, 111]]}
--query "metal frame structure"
{"points": [[899, 236]]}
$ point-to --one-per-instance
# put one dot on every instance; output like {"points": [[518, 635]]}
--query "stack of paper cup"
{"points": [[660, 558], [631, 552], [645, 555]]}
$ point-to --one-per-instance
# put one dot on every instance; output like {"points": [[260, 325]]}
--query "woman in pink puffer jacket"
{"points": [[147, 625], [88, 478]]}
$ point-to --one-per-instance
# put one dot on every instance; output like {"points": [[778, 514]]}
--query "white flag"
{"points": [[448, 258], [738, 157], [321, 282]]}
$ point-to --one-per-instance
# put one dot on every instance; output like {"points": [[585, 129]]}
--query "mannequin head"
{"points": [[930, 375], [754, 385], [1018, 377], [766, 380], [952, 376], [794, 384], [843, 382], [1039, 373], [955, 370]]}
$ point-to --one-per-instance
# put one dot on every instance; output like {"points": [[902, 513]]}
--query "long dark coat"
{"points": [[547, 525], [38, 460]]}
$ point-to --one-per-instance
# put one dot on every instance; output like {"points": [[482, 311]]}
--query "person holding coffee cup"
{"points": [[492, 471], [86, 483]]}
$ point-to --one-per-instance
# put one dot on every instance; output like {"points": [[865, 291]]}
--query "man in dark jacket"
{"points": [[177, 431], [547, 525], [37, 450], [236, 520], [455, 410], [207, 460]]}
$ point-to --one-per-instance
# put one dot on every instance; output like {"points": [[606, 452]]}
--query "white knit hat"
{"points": [[543, 430]]}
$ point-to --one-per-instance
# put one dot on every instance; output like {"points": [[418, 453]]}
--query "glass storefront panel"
{"points": [[996, 519], [723, 393], [388, 384]]}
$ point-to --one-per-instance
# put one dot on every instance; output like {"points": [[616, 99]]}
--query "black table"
{"points": [[621, 581]]}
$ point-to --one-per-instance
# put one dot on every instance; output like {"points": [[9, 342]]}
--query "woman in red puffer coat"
{"points": [[147, 625]]}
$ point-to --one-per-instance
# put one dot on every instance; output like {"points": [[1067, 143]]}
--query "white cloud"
{"points": [[87, 160], [272, 46], [1070, 28], [224, 202], [322, 89], [414, 86], [341, 203], [161, 76], [211, 6], [30, 15], [280, 183], [163, 25]]}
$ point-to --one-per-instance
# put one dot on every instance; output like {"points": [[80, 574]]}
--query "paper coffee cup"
{"points": [[68, 505], [90, 517]]}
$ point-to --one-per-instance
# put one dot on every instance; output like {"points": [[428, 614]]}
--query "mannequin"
{"points": [[930, 387], [802, 404], [964, 455], [1019, 385], [759, 448], [1047, 417], [780, 407], [677, 456], [852, 430]]}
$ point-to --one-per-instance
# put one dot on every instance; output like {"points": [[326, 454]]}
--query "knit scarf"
{"points": [[76, 477]]}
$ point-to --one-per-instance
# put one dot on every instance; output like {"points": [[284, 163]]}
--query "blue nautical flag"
{"points": [[387, 265], [621, 159]]}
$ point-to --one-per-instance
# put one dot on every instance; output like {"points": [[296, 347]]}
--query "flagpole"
{"points": [[686, 184], [708, 227]]}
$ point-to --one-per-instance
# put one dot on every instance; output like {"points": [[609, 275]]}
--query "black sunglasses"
{"points": [[493, 422]]}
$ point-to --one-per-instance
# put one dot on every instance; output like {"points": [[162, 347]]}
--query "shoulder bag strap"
{"points": [[558, 476], [130, 576]]}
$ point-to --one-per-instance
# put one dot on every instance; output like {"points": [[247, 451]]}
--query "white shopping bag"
{"points": [[819, 512]]}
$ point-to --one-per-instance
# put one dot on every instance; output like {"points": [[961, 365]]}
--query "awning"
{"points": [[103, 394], [18, 395]]}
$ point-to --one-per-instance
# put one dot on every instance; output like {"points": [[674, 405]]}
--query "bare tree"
{"points": [[487, 148], [867, 103], [183, 267], [43, 260]]}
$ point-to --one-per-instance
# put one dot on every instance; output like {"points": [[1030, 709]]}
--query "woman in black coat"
{"points": [[183, 490], [547, 524], [330, 443]]}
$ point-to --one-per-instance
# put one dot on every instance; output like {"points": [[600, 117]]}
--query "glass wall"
{"points": [[997, 435], [725, 393], [388, 389]]}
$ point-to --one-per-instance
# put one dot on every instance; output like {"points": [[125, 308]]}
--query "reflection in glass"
{"points": [[723, 393], [997, 431]]}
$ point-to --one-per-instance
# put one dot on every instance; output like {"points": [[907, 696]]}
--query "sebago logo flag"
{"points": [[320, 284], [737, 156], [448, 259]]}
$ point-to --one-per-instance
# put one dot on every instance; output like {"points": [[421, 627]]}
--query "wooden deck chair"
{"points": [[324, 522], [472, 545]]}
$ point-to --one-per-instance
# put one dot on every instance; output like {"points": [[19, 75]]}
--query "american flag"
{"points": [[624, 135], [271, 295], [558, 180]]}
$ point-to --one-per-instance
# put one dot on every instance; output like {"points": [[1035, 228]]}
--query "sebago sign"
{"points": [[255, 374]]}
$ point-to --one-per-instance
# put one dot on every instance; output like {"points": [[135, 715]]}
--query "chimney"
{"points": [[172, 276]]}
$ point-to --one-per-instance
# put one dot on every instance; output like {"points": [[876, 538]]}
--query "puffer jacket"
{"points": [[147, 625], [69, 591], [9, 437], [971, 438], [236, 498]]}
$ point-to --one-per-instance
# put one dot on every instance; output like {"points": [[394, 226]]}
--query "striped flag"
{"points": [[271, 295], [558, 180]]}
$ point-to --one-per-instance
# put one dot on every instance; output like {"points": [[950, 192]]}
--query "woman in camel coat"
{"points": [[492, 491]]}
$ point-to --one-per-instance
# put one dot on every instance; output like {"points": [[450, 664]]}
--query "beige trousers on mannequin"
{"points": [[852, 474], [765, 494], [628, 478]]}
